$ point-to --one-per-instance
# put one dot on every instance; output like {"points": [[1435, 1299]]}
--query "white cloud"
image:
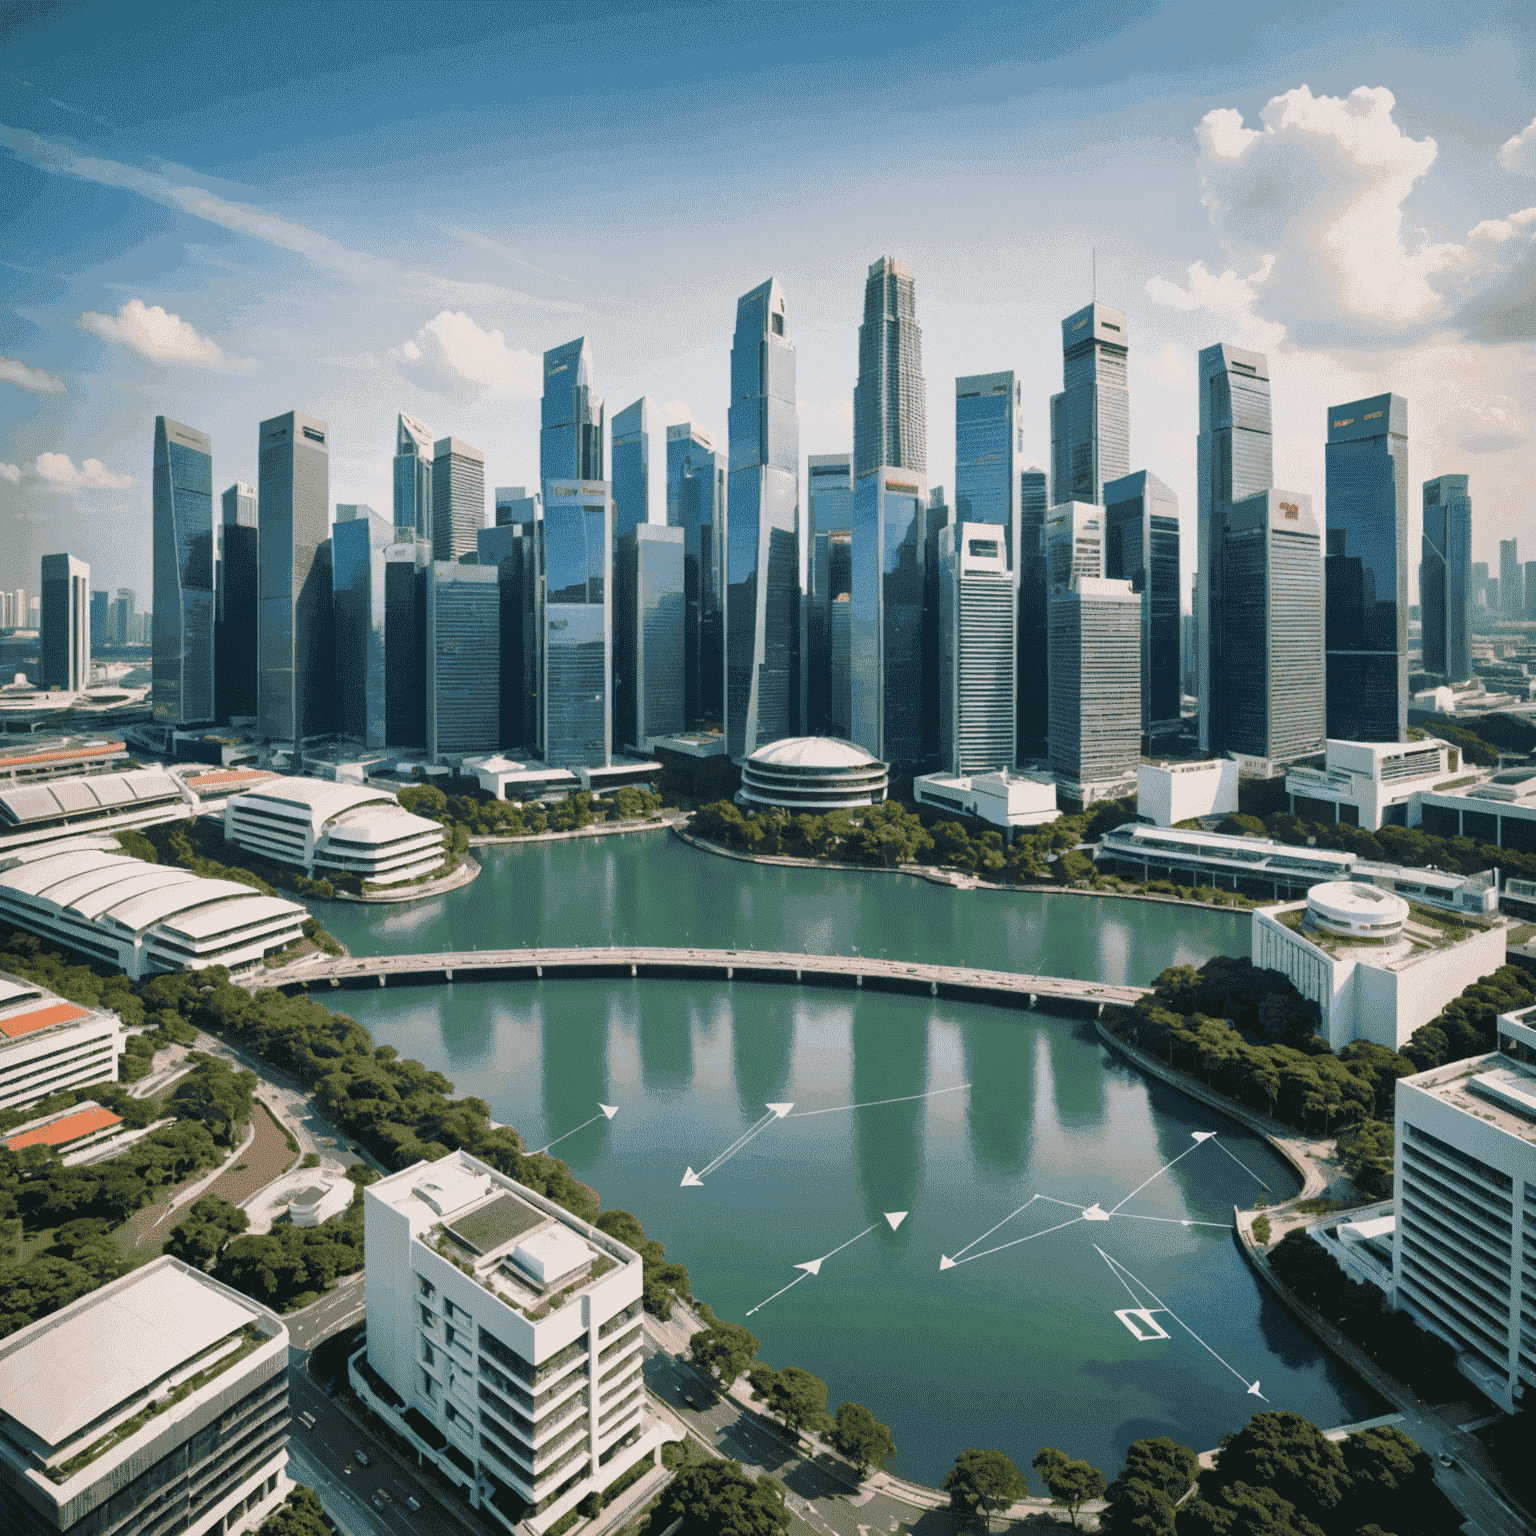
{"points": [[40, 383], [1519, 153], [452, 356], [164, 337], [676, 412], [1235, 299], [11, 472], [58, 469]]}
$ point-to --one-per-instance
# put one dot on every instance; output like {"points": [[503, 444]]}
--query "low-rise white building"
{"points": [[1501, 811], [1168, 793], [334, 829], [1370, 784], [157, 1403], [311, 1204], [51, 811], [500, 775], [1375, 970], [503, 1339], [1001, 799], [48, 1043]]}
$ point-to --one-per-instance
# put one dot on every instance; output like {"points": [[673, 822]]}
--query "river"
{"points": [[1026, 1122]]}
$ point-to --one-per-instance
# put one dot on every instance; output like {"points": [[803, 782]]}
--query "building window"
{"points": [[426, 1287]]}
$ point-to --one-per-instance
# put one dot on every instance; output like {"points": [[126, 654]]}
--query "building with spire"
{"points": [[890, 400], [1091, 417]]}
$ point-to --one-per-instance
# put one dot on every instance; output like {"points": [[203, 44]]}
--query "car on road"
{"points": [[362, 1460], [380, 1499], [412, 1504], [307, 1420], [687, 1398], [1448, 1461]]}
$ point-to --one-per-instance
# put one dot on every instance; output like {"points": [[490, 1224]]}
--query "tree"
{"points": [[983, 1482], [799, 1399], [1164, 1463], [300, 1515], [715, 1498], [1238, 1509], [724, 1350], [199, 1237], [1285, 1454], [862, 1438], [1137, 1508], [1073, 1483]]}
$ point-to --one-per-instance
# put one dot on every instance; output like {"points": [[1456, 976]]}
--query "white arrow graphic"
{"points": [[813, 1266], [607, 1110], [1196, 1136], [906, 1098], [692, 1180]]}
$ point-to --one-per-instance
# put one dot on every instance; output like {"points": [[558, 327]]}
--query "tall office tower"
{"points": [[640, 481], [1479, 577], [576, 626], [839, 567], [829, 503], [358, 542], [1445, 578], [648, 635], [1491, 595], [890, 509], [1273, 647], [1365, 570], [762, 559], [1034, 698], [1095, 660], [7, 610], [1073, 543], [1235, 460], [119, 616], [696, 503], [235, 606], [1091, 417], [1141, 546], [509, 504], [977, 614], [458, 498], [463, 659], [405, 640], [182, 669], [413, 477], [829, 494], [34, 611], [936, 519], [64, 639], [890, 399], [98, 620], [295, 681], [987, 446], [571, 416], [1530, 589], [1511, 580], [509, 547]]}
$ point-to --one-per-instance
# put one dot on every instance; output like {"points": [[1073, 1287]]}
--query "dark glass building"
{"points": [[64, 637], [696, 504], [1511, 579], [234, 649], [1091, 417], [571, 416], [1365, 570], [463, 659], [1141, 546], [987, 483], [575, 696], [509, 546], [413, 477], [631, 471], [405, 641], [358, 544], [829, 498], [1034, 677], [182, 670], [99, 621], [762, 550], [1445, 579], [648, 630], [890, 399]]}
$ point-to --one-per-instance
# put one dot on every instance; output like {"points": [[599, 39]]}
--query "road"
{"points": [[329, 1315]]}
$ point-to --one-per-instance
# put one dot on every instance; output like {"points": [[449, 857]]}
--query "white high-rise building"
{"points": [[976, 649]]}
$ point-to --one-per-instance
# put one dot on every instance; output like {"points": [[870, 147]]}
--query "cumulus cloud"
{"points": [[58, 469], [452, 356], [11, 472], [164, 337], [40, 383], [1519, 153]]}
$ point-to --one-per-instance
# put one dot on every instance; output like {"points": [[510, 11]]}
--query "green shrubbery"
{"points": [[479, 814]]}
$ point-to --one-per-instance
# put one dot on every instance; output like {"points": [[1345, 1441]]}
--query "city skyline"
{"points": [[356, 313]]}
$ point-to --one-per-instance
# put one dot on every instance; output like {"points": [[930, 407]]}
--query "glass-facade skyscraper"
{"points": [[1365, 570], [575, 696], [1095, 661], [571, 416], [509, 547], [235, 606], [405, 640], [1511, 579], [648, 693], [1034, 698], [1445, 578], [463, 659], [64, 636], [1141, 546], [295, 683], [1235, 460], [976, 649], [413, 477], [359, 540], [638, 478], [239, 506], [458, 498], [829, 499], [762, 557], [987, 449], [696, 475], [182, 688], [1091, 417], [890, 399]]}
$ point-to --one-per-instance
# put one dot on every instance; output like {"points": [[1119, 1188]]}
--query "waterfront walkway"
{"points": [[853, 971]]}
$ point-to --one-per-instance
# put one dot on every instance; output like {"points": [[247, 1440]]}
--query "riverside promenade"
{"points": [[846, 971]]}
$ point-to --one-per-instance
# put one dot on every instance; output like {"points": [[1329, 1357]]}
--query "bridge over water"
{"points": [[847, 971]]}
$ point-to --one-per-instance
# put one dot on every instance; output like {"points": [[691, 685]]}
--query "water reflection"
{"points": [[998, 1068], [666, 1042], [1080, 1089], [889, 1062], [470, 1037], [762, 1054], [574, 1065]]}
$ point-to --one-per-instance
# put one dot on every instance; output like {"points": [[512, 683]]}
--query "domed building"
{"points": [[811, 773]]}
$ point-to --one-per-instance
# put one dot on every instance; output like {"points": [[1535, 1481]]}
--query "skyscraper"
{"points": [[64, 639], [1234, 460], [458, 498], [509, 547], [405, 640], [413, 476], [463, 659], [838, 720], [639, 480], [295, 683], [1273, 615], [1365, 570], [98, 619], [890, 400], [358, 542], [648, 690], [977, 614], [1034, 698], [987, 431], [763, 531], [515, 505], [119, 616], [936, 519], [1511, 580], [829, 495], [1091, 417], [829, 499], [182, 670], [889, 562], [1530, 589], [1073, 542], [235, 606], [1141, 546], [571, 416], [1095, 661], [696, 504], [1445, 578], [575, 698]]}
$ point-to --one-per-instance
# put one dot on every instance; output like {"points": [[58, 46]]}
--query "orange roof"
{"points": [[68, 754], [231, 776], [69, 1128], [20, 1024]]}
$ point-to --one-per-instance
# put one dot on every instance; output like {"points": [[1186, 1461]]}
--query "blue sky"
{"points": [[355, 210]]}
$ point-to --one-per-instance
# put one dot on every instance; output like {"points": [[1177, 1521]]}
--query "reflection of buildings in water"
{"points": [[666, 1040], [1077, 1072], [575, 1059], [467, 1023], [410, 917], [1112, 950], [998, 1066], [762, 1050], [890, 1061]]}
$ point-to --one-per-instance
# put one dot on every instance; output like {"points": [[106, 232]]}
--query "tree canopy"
{"points": [[982, 1482], [716, 1498], [861, 1437], [300, 1515], [1071, 1482], [723, 1349], [799, 1399]]}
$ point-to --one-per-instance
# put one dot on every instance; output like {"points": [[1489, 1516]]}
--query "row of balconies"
{"points": [[1435, 1225], [1455, 1192], [1444, 1299]]}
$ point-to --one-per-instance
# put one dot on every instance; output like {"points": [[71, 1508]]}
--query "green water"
{"points": [[1017, 1348]]}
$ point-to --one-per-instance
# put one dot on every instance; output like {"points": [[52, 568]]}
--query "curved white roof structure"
{"points": [[31, 814], [812, 773], [1354, 908], [814, 754]]}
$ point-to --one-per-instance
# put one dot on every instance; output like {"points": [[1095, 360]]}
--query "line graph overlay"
{"points": [[906, 1098]]}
